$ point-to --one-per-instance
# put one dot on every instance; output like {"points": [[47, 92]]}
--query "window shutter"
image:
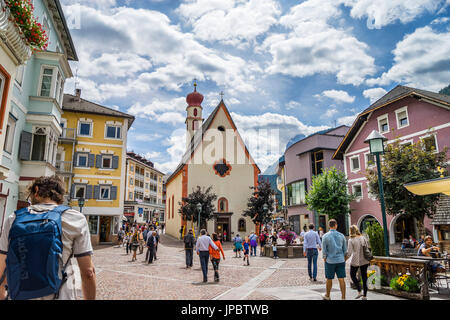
{"points": [[98, 161], [25, 145], [72, 192], [96, 192], [115, 162], [113, 193], [89, 191], [91, 162], [75, 157]]}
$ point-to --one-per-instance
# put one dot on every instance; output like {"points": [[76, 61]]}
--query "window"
{"points": [[296, 193], [146, 186], [46, 82], [370, 160], [317, 162], [113, 132], [85, 129], [80, 191], [83, 160], [130, 195], [430, 143], [107, 162], [9, 134], [383, 124], [241, 225], [402, 117], [131, 181], [19, 75], [354, 164], [105, 193], [59, 88], [357, 191], [223, 205], [38, 150]]}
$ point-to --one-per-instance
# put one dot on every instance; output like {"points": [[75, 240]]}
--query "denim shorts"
{"points": [[334, 268]]}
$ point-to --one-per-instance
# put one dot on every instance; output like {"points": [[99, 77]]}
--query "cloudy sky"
{"points": [[286, 67]]}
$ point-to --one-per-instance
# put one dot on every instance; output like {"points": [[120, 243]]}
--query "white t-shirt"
{"points": [[76, 240]]}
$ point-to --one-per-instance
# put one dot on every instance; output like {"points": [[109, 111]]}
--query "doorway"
{"points": [[404, 227], [105, 229], [223, 228]]}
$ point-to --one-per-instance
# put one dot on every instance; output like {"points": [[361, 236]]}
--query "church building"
{"points": [[215, 156]]}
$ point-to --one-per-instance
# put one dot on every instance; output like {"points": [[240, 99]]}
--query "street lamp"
{"points": [[376, 143], [199, 210], [266, 209], [81, 203]]}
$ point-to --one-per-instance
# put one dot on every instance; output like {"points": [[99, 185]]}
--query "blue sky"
{"points": [[289, 67]]}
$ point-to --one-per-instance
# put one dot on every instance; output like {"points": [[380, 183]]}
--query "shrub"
{"points": [[376, 239], [406, 283]]}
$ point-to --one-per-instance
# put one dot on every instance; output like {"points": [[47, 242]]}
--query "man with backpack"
{"points": [[262, 242], [40, 241], [189, 242], [253, 243]]}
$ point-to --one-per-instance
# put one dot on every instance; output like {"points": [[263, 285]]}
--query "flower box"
{"points": [[402, 294]]}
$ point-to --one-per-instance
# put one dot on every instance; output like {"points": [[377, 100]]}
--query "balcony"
{"points": [[10, 34], [64, 167], [68, 135]]}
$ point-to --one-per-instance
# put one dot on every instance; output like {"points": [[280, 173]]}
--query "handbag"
{"points": [[367, 252]]}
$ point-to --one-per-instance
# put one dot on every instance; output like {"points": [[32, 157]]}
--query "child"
{"points": [[274, 238], [246, 250]]}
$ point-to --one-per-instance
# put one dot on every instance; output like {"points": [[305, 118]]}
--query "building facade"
{"points": [[144, 191], [228, 168], [91, 158], [33, 122], [404, 113], [303, 160]]}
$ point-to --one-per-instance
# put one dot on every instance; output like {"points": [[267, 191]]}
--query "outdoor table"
{"points": [[429, 258]]}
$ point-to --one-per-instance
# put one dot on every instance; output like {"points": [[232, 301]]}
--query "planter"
{"points": [[402, 294], [294, 251]]}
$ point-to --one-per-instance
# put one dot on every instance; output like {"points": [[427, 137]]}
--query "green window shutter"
{"points": [[91, 160], [98, 161], [113, 193], [26, 139], [115, 162], [89, 191], [96, 192]]}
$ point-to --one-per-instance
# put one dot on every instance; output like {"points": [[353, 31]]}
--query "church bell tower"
{"points": [[194, 110]]}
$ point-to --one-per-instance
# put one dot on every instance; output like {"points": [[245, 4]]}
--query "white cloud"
{"points": [[230, 21], [339, 96], [151, 155], [316, 47], [167, 111], [384, 12], [330, 113], [293, 105], [347, 120], [374, 94], [421, 60]]}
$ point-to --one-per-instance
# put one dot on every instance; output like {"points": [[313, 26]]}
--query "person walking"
{"points": [[49, 248], [156, 235], [189, 242], [262, 242], [150, 232], [274, 239], [246, 246], [253, 243], [202, 249], [237, 245], [311, 242], [151, 246], [120, 237], [334, 255], [128, 243], [358, 261], [134, 244], [141, 241], [215, 255]]}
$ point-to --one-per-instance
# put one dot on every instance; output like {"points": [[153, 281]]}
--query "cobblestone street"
{"points": [[120, 279]]}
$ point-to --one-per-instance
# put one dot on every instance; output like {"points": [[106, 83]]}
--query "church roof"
{"points": [[198, 138]]}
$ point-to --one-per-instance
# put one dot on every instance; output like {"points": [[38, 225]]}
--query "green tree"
{"points": [[329, 194], [376, 238], [255, 206], [404, 164], [445, 90], [188, 209]]}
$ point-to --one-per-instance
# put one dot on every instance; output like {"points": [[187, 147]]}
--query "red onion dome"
{"points": [[194, 99]]}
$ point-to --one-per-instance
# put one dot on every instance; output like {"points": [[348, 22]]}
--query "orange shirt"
{"points": [[216, 253]]}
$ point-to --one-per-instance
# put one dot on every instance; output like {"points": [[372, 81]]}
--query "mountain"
{"points": [[272, 169], [445, 90], [295, 139]]}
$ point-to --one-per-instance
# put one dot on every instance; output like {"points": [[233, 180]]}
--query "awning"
{"points": [[422, 188]]}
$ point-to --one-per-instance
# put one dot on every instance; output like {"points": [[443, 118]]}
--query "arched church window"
{"points": [[241, 225], [223, 205], [195, 112]]}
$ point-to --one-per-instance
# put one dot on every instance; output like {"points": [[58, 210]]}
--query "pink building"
{"points": [[404, 113]]}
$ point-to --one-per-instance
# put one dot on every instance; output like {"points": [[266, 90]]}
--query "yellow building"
{"points": [[92, 160], [144, 191]]}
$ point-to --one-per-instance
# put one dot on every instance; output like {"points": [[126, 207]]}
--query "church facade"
{"points": [[215, 156]]}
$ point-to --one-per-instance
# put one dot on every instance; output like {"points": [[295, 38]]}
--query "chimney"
{"points": [[78, 94]]}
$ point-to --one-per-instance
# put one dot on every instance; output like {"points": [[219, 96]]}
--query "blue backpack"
{"points": [[35, 246]]}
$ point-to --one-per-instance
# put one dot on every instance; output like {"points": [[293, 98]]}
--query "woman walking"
{"points": [[356, 245], [237, 245], [134, 244], [246, 250], [128, 242], [215, 255]]}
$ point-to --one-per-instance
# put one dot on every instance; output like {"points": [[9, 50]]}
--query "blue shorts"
{"points": [[334, 268]]}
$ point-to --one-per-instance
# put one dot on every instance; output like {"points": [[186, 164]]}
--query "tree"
{"points": [[255, 206], [329, 194], [445, 90], [404, 164], [188, 209], [376, 238]]}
